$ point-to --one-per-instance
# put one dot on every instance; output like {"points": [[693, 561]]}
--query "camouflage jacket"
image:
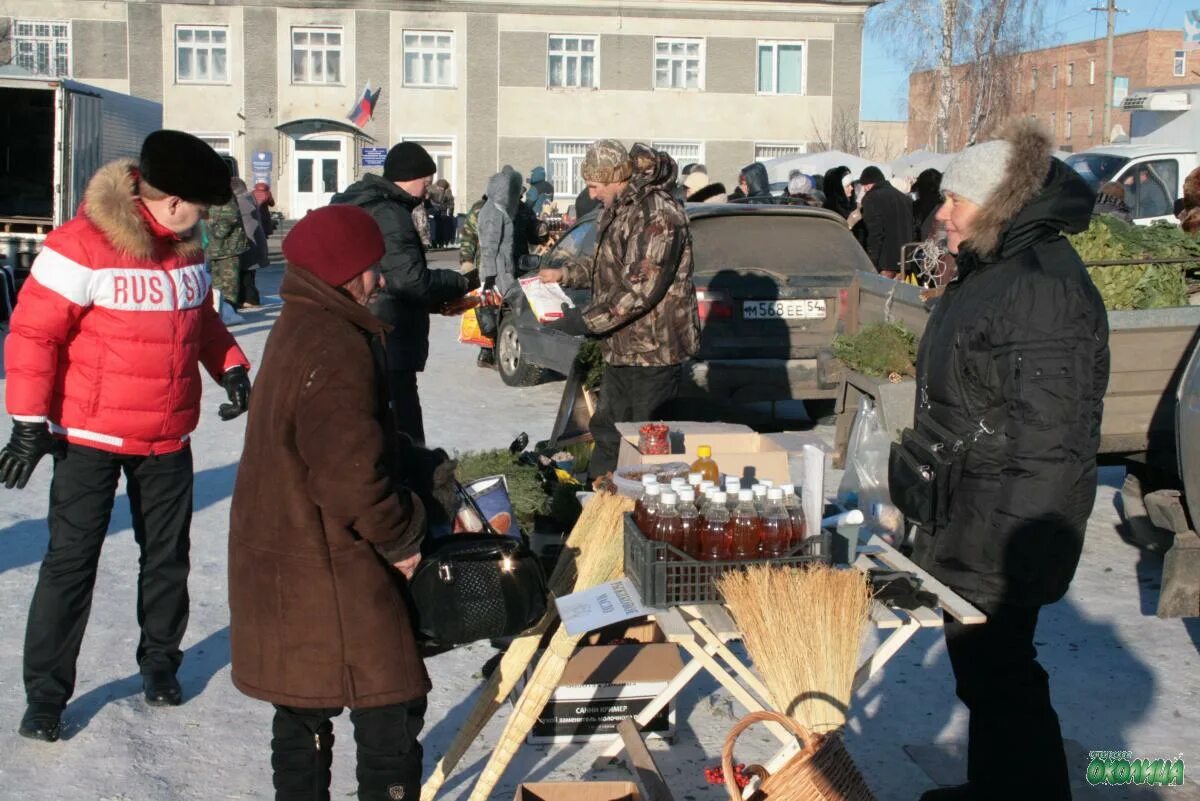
{"points": [[468, 235], [226, 234], [643, 305]]}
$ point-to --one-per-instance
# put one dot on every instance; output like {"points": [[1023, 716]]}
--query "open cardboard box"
{"points": [[578, 791], [738, 450]]}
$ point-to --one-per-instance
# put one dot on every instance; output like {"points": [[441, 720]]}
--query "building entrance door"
{"points": [[319, 169]]}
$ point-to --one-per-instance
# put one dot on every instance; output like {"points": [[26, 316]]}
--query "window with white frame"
{"points": [[1092, 72], [563, 162], [1033, 76], [1180, 63], [774, 150], [41, 46], [429, 58], [201, 54], [678, 63], [220, 142], [684, 153], [572, 61], [1054, 77], [780, 68], [441, 150], [317, 55], [1070, 125]]}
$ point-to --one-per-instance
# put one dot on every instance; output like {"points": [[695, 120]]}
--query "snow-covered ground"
{"points": [[1122, 679]]}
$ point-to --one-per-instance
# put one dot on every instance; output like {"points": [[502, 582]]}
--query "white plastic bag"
{"points": [[865, 480]]}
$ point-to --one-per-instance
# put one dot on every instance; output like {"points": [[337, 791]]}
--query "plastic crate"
{"points": [[666, 576]]}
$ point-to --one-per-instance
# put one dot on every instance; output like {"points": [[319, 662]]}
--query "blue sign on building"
{"points": [[374, 156], [260, 166]]}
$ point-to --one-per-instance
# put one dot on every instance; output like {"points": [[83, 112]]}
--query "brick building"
{"points": [[1063, 87], [480, 83]]}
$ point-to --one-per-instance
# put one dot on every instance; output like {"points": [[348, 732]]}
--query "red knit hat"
{"points": [[334, 243]]}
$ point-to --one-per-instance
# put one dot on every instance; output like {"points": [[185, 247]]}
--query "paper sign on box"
{"points": [[602, 605]]}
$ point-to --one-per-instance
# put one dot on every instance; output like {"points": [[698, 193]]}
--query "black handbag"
{"points": [[488, 318], [924, 469], [473, 587]]}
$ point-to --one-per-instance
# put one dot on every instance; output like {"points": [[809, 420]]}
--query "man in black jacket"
{"points": [[887, 214], [412, 289]]}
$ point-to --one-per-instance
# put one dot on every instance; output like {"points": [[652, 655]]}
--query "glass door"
{"points": [[319, 172]]}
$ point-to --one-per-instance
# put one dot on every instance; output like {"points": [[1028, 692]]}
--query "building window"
{"points": [[781, 68], [1033, 76], [684, 153], [572, 61], [775, 150], [1180, 63], [429, 58], [1070, 124], [1053, 123], [201, 54], [1092, 72], [1054, 77], [563, 160], [42, 47], [441, 150], [1091, 123], [220, 142], [678, 63], [1070, 73], [317, 55]]}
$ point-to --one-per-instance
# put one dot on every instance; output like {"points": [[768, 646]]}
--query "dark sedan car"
{"points": [[772, 284]]}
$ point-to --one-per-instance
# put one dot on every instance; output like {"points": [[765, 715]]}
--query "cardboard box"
{"points": [[603, 685], [639, 630], [578, 791], [738, 451]]}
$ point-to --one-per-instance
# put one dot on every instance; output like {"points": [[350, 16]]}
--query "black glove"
{"points": [[571, 322], [488, 284], [28, 444], [237, 386]]}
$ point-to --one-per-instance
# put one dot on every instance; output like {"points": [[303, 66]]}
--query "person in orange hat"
{"points": [[321, 533]]}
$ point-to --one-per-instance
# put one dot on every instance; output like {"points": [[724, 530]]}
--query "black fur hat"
{"points": [[182, 165]]}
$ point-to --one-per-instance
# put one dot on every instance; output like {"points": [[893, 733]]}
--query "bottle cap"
{"points": [[775, 494], [653, 489], [733, 485], [704, 452], [649, 479], [695, 478], [669, 499], [745, 495], [759, 491], [719, 498], [707, 485], [687, 496], [766, 482], [788, 489], [679, 482]]}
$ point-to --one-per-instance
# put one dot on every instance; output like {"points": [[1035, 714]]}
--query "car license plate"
{"points": [[783, 309]]}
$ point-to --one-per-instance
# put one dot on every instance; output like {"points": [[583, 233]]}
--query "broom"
{"points": [[600, 517], [803, 628], [602, 561]]}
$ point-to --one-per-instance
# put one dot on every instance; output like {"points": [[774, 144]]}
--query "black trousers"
{"points": [[1015, 747], [82, 493], [389, 756], [406, 404], [627, 394]]}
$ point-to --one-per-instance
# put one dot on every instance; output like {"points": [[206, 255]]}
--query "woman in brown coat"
{"points": [[320, 532]]}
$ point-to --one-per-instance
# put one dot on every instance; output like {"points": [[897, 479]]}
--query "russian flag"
{"points": [[362, 111]]}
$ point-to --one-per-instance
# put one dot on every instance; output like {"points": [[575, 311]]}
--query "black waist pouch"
{"points": [[924, 468]]}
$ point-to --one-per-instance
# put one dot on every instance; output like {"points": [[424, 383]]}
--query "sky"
{"points": [[885, 77]]}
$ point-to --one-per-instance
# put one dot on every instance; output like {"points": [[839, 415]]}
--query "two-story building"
{"points": [[480, 83]]}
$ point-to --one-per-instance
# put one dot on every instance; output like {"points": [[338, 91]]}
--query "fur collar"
{"points": [[1025, 174], [110, 202]]}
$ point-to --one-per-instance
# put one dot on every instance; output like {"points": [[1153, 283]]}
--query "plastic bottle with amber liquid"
{"points": [[714, 543], [705, 465], [646, 509], [733, 486], [745, 527], [760, 498], [776, 527], [694, 481], [666, 524], [791, 501], [689, 524]]}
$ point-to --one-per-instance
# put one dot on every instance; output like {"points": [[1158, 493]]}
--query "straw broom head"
{"points": [[803, 628], [591, 531], [600, 557]]}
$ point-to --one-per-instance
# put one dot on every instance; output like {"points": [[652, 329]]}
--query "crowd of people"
{"points": [[332, 499]]}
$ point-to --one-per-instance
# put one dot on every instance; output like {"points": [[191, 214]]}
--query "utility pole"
{"points": [[1111, 11]]}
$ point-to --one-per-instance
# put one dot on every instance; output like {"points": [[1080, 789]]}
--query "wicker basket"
{"points": [[821, 771]]}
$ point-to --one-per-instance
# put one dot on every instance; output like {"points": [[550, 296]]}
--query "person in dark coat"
{"points": [[321, 532], [928, 191], [1014, 362], [887, 216], [754, 185], [413, 290], [839, 197]]}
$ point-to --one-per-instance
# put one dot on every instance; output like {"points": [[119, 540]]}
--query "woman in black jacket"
{"points": [[1014, 362], [835, 187]]}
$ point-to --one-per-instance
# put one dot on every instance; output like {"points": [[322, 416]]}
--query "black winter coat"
{"points": [[1018, 342], [413, 290], [758, 186], [887, 215]]}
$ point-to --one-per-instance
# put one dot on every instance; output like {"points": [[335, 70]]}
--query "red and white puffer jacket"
{"points": [[110, 328]]}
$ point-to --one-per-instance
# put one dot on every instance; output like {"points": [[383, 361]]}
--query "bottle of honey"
{"points": [[705, 465]]}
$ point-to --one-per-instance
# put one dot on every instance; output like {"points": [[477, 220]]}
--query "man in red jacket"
{"points": [[103, 371]]}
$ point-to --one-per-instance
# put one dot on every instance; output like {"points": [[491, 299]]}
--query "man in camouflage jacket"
{"points": [[643, 305], [227, 240]]}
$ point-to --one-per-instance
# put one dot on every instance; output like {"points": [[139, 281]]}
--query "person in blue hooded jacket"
{"points": [[540, 191]]}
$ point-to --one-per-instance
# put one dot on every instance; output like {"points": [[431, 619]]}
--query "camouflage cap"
{"points": [[607, 162]]}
